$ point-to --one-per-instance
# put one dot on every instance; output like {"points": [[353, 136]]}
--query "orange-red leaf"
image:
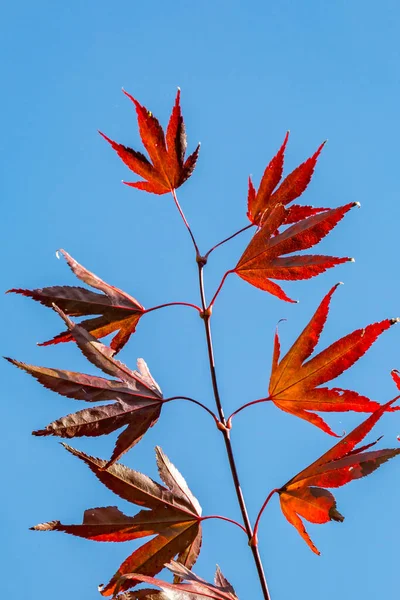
{"points": [[167, 169], [260, 203], [264, 258], [294, 379], [172, 519], [118, 310], [304, 495]]}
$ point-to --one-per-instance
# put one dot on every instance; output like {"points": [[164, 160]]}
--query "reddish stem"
{"points": [[173, 192], [254, 540], [237, 411], [147, 310], [220, 287], [193, 401], [227, 239], [224, 519]]}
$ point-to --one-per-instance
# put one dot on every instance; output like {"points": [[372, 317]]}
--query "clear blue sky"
{"points": [[248, 72]]}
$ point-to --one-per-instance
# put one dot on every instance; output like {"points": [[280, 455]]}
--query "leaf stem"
{"points": [[254, 538], [224, 519], [227, 239], [147, 310], [220, 287], [238, 410], [193, 401], [173, 192]]}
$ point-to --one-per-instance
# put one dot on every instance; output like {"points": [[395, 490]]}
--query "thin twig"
{"points": [[254, 538], [227, 239], [173, 192], [224, 519], [220, 287], [238, 410], [147, 310], [193, 401]]}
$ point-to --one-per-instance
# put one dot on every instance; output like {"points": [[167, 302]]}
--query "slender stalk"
{"points": [[220, 287], [224, 519], [173, 192], [227, 239], [172, 304], [193, 401], [238, 410], [254, 538]]}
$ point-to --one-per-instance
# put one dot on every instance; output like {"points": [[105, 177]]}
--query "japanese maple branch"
{"points": [[227, 239], [225, 432], [222, 426]]}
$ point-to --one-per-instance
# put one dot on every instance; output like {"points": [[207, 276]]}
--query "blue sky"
{"points": [[248, 72]]}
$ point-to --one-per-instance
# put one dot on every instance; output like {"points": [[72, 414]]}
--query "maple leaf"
{"points": [[196, 588], [305, 495], [294, 379], [265, 199], [167, 169], [138, 399], [119, 311], [173, 517], [264, 258]]}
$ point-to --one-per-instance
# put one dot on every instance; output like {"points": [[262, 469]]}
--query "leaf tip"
{"points": [[357, 204], [394, 321], [353, 260]]}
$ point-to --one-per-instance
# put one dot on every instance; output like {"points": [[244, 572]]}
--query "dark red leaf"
{"points": [[262, 260], [167, 169]]}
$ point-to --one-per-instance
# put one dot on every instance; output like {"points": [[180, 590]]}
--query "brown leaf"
{"points": [[138, 399], [173, 520], [119, 311]]}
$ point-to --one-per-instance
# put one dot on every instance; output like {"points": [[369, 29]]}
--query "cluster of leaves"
{"points": [[171, 513]]}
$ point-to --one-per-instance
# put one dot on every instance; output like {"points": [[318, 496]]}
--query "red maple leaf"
{"points": [[295, 379], [167, 168], [261, 202], [265, 256]]}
